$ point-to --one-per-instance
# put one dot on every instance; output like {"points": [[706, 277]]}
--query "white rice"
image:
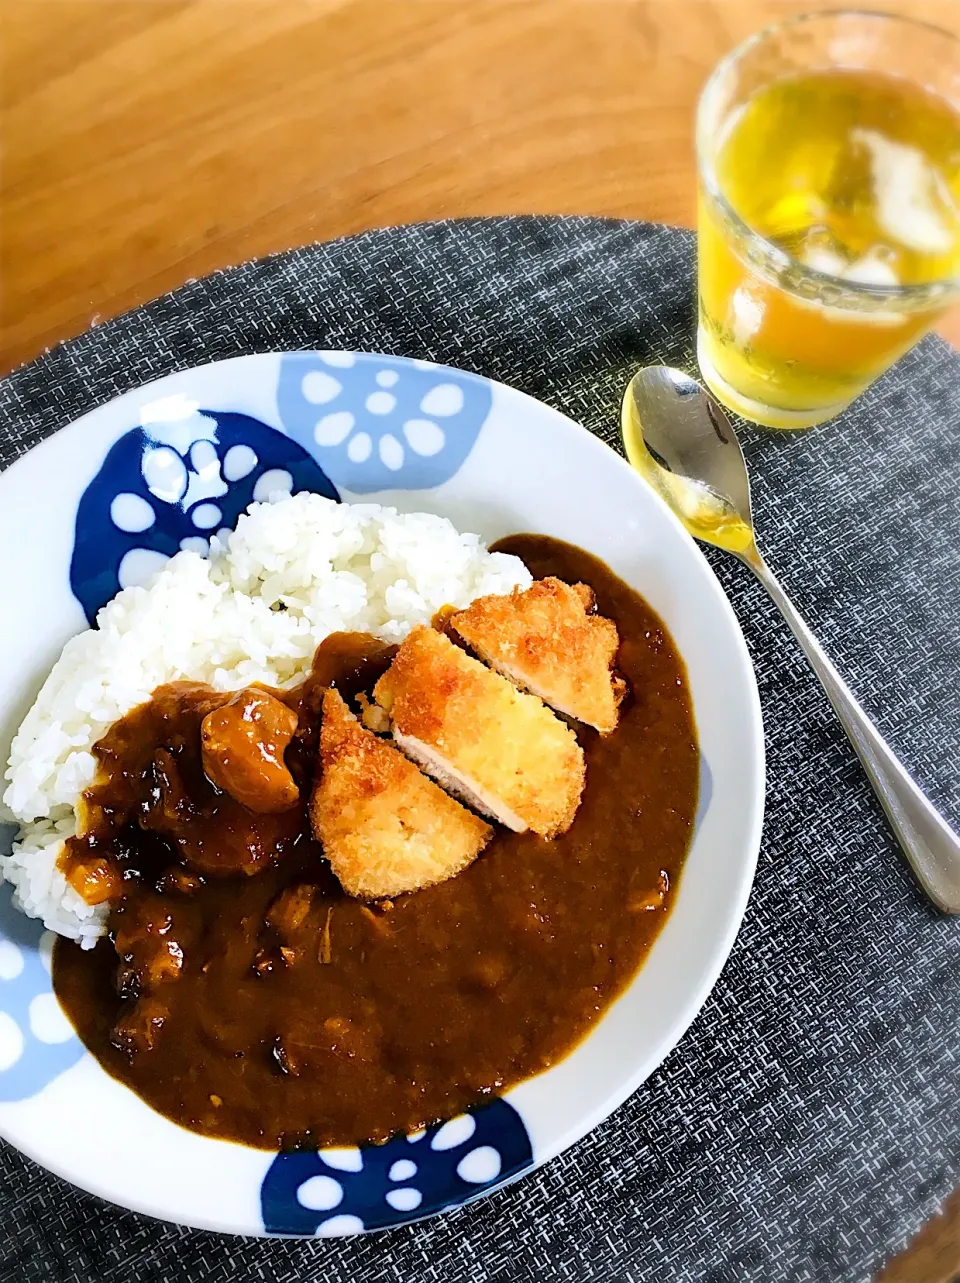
{"points": [[292, 573]]}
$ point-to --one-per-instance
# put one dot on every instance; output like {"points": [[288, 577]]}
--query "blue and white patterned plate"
{"points": [[103, 502]]}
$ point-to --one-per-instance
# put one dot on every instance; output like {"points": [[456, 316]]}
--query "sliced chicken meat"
{"points": [[385, 827], [546, 640], [500, 750]]}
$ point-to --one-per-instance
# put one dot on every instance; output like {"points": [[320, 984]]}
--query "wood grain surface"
{"points": [[149, 141]]}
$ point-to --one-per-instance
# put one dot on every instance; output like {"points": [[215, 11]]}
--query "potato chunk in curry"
{"points": [[243, 745]]}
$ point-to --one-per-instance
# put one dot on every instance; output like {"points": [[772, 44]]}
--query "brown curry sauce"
{"points": [[263, 1005]]}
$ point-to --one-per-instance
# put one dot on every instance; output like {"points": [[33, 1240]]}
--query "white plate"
{"points": [[421, 437]]}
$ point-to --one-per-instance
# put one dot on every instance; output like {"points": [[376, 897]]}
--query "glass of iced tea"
{"points": [[828, 152]]}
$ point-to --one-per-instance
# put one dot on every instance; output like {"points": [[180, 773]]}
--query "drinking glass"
{"points": [[828, 151]]}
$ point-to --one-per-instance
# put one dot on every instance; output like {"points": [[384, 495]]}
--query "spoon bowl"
{"points": [[681, 442]]}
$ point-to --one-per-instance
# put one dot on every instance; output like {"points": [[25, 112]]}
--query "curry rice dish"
{"points": [[360, 905]]}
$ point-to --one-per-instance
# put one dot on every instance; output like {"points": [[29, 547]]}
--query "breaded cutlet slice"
{"points": [[502, 751], [385, 827], [544, 639]]}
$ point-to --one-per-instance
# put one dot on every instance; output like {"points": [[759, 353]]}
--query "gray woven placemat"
{"points": [[808, 1123]]}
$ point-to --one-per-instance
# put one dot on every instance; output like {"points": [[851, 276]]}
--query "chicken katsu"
{"points": [[385, 828], [314, 937], [503, 752], [548, 640]]}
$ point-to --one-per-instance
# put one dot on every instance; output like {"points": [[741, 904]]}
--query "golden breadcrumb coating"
{"points": [[501, 750], [544, 639], [385, 828]]}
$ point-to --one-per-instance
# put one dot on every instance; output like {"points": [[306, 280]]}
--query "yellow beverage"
{"points": [[829, 239]]}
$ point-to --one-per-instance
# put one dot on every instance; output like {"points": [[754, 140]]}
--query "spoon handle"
{"points": [[928, 842]]}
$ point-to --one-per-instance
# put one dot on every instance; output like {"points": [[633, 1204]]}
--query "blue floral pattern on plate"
{"points": [[37, 1042], [379, 423], [349, 1190], [171, 485]]}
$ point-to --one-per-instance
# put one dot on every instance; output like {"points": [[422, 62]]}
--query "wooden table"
{"points": [[149, 141]]}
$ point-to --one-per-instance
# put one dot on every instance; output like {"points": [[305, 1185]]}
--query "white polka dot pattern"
{"points": [[333, 428], [319, 387], [404, 1200], [424, 436], [11, 1041], [138, 565], [444, 399], [131, 513], [11, 960], [206, 515], [276, 483], [320, 1193], [381, 402], [239, 462], [346, 1158], [480, 1165], [455, 1132], [360, 447], [47, 1020], [391, 452]]}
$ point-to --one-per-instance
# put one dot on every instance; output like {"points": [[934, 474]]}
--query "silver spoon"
{"points": [[678, 438]]}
